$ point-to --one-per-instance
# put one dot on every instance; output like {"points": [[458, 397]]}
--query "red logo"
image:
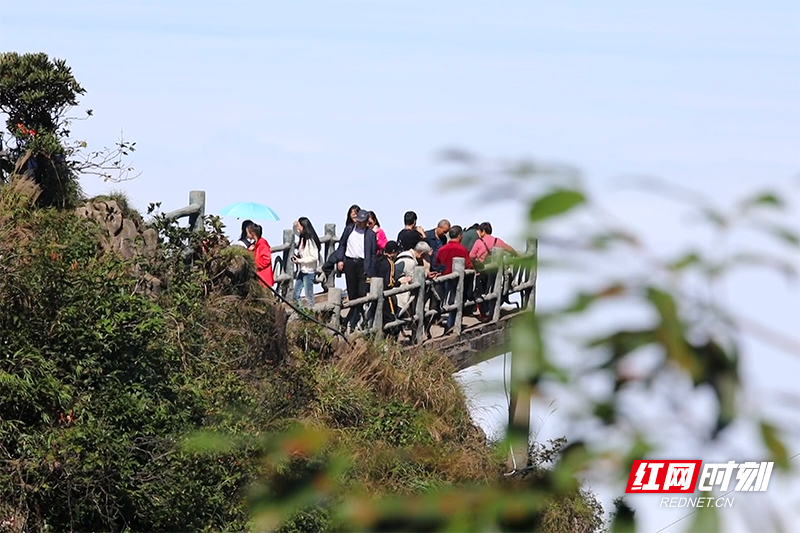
{"points": [[663, 476]]}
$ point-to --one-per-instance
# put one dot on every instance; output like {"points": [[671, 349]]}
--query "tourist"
{"points": [[306, 258], [481, 255], [329, 266], [481, 250], [386, 268], [263, 255], [375, 226], [355, 256], [244, 240], [470, 236], [437, 237], [411, 234], [351, 215], [444, 258], [405, 264]]}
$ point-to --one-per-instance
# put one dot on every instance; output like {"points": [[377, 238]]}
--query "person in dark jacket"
{"points": [[356, 256], [470, 236], [385, 268], [437, 237], [329, 266], [411, 234]]}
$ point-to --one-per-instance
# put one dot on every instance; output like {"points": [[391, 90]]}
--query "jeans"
{"points": [[304, 279]]}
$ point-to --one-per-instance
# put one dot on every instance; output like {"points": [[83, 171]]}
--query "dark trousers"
{"points": [[450, 290], [390, 315], [356, 281], [483, 286]]}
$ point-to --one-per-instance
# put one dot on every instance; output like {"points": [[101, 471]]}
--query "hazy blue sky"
{"points": [[311, 106]]}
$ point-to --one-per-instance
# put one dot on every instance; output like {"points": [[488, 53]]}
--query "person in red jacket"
{"points": [[444, 260], [263, 255]]}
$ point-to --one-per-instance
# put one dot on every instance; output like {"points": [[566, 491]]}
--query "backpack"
{"points": [[480, 266], [405, 258]]}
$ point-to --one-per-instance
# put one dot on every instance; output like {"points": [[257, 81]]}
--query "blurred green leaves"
{"points": [[684, 332], [554, 204], [774, 444]]}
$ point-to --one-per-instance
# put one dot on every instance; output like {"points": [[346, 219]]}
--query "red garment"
{"points": [[263, 255], [449, 251]]}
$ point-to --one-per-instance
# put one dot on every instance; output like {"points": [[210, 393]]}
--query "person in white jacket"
{"points": [[306, 257], [404, 266]]}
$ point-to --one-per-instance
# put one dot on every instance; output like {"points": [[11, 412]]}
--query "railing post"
{"points": [[330, 231], [523, 357], [419, 311], [196, 220], [459, 264], [335, 300], [376, 290], [498, 257], [532, 250], [330, 247], [288, 266], [519, 410]]}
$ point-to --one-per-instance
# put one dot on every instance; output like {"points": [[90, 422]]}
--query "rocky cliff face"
{"points": [[122, 234]]}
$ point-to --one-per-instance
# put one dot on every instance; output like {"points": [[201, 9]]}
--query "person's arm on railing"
{"points": [[505, 246]]}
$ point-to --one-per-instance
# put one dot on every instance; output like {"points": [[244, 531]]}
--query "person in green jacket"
{"points": [[470, 236]]}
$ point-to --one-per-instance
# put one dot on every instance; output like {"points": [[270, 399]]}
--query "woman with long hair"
{"points": [[306, 258], [351, 215], [380, 235], [263, 255], [244, 240]]}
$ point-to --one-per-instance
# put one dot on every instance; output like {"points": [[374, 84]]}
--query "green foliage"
{"points": [[35, 95], [686, 332], [555, 203], [35, 91], [398, 424], [99, 384]]}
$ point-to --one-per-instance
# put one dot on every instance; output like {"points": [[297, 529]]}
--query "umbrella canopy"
{"points": [[249, 210]]}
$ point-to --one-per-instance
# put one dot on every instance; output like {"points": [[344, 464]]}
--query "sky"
{"points": [[309, 107]]}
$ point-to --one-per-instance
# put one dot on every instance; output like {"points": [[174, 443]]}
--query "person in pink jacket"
{"points": [[375, 226], [480, 254], [486, 241]]}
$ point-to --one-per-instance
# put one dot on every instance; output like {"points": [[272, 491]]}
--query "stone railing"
{"points": [[518, 278]]}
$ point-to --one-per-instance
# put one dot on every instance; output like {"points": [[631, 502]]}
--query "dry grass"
{"points": [[18, 194], [246, 333], [356, 386], [420, 378]]}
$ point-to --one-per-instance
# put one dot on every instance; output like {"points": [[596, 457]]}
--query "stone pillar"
{"points": [[419, 308], [197, 198], [376, 290], [335, 299], [459, 265]]}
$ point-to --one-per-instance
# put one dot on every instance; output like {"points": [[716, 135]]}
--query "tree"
{"points": [[36, 94]]}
